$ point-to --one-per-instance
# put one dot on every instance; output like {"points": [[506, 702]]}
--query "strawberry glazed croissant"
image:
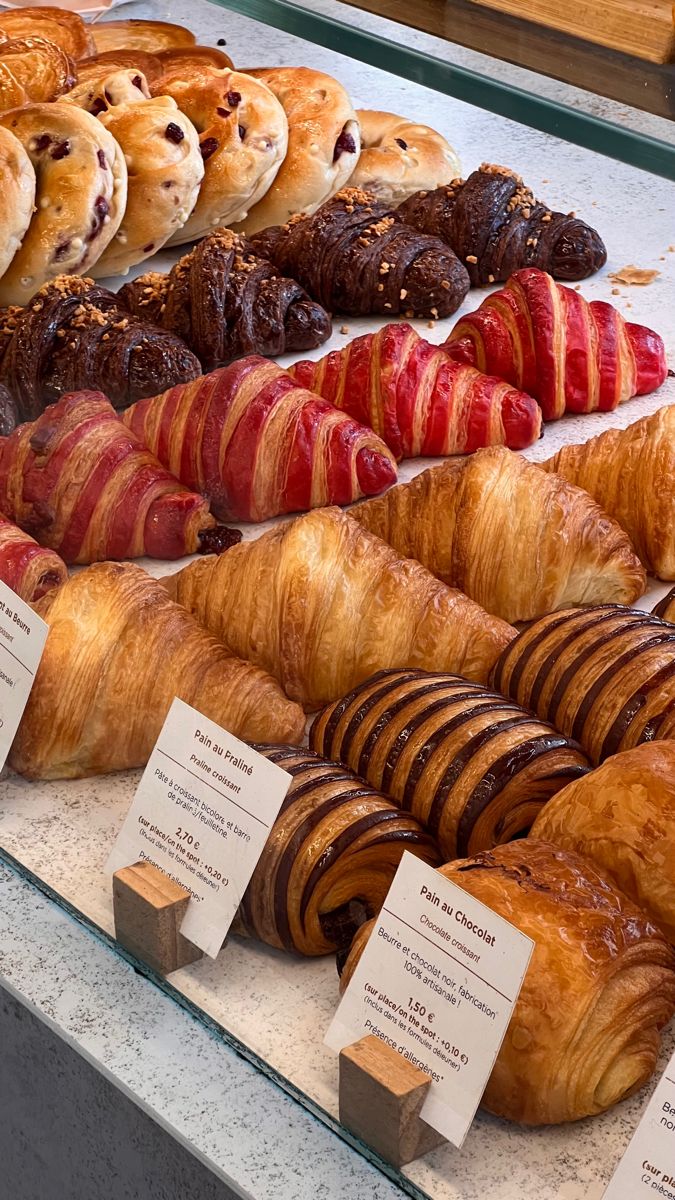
{"points": [[84, 485], [256, 444], [27, 568], [417, 399]]}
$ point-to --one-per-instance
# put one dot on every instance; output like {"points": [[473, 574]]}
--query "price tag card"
{"points": [[22, 639], [202, 813], [648, 1166], [437, 981]]}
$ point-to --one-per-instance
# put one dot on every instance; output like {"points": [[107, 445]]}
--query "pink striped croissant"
{"points": [[419, 400], [570, 355], [258, 445], [27, 568], [85, 486]]}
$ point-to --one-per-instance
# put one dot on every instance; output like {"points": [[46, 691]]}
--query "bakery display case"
{"points": [[336, 401]]}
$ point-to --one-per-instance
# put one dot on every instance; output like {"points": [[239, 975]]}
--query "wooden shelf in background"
{"points": [[643, 28]]}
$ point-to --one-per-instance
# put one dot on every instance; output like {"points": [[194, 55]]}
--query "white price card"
{"points": [[647, 1169], [22, 639], [202, 813], [437, 980]]}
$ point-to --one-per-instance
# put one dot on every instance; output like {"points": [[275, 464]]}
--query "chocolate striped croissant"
{"points": [[27, 568], [570, 355], [329, 860], [257, 445], [665, 608], [86, 487], [471, 766], [604, 676], [417, 399]]}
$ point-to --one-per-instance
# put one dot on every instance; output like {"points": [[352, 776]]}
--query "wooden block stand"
{"points": [[381, 1095], [149, 909]]}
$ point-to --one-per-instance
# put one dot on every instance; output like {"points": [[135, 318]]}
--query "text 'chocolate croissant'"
{"points": [[417, 399], [28, 569], [473, 767], [604, 676], [330, 857]]}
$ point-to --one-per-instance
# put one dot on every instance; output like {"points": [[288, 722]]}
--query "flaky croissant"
{"points": [[85, 486], [473, 768], [257, 445], [322, 604], [631, 474], [117, 653], [27, 568], [599, 988], [517, 540], [604, 676], [329, 860], [417, 399], [622, 817], [570, 355]]}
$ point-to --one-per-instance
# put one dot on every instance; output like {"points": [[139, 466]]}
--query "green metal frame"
{"points": [[570, 124]]}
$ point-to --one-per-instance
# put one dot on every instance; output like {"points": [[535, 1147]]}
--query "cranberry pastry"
{"points": [[28, 568]]}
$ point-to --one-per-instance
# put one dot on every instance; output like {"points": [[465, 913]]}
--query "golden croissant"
{"points": [[631, 473], [622, 817], [600, 986], [117, 653], [520, 542], [322, 604], [330, 857]]}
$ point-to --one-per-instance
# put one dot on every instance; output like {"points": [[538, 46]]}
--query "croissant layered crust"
{"points": [[519, 541], [258, 445], [322, 604], [417, 399], [117, 653], [600, 986], [622, 817], [330, 858], [28, 569], [471, 766], [631, 473], [85, 486], [605, 676], [570, 355]]}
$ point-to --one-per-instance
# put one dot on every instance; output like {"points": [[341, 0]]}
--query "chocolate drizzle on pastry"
{"points": [[75, 336], [355, 256], [226, 301], [495, 226]]}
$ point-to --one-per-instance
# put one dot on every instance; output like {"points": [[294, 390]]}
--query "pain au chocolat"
{"points": [[604, 676], [600, 986], [330, 858], [469, 764]]}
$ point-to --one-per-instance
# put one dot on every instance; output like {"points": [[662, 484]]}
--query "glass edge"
{"points": [[572, 125]]}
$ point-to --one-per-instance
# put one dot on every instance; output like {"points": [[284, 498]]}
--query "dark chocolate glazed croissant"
{"points": [[470, 765], [9, 412], [74, 336], [355, 256], [225, 301], [495, 225], [329, 860]]}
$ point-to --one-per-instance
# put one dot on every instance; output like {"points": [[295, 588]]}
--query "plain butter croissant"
{"points": [[117, 653], [600, 986], [520, 542], [322, 604]]}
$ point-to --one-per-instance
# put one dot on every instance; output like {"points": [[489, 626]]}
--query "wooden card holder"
{"points": [[149, 908], [381, 1095]]}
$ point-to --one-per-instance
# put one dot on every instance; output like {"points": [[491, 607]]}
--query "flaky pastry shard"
{"points": [[322, 605], [517, 540], [117, 653]]}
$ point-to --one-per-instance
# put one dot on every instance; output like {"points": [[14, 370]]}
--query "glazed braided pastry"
{"points": [[417, 399], [29, 569], [330, 858], [224, 301], [470, 765], [604, 676], [570, 355]]}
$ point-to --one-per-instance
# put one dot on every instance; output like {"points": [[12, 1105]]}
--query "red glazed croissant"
{"points": [[570, 355], [86, 487], [419, 400], [27, 568], [258, 445]]}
